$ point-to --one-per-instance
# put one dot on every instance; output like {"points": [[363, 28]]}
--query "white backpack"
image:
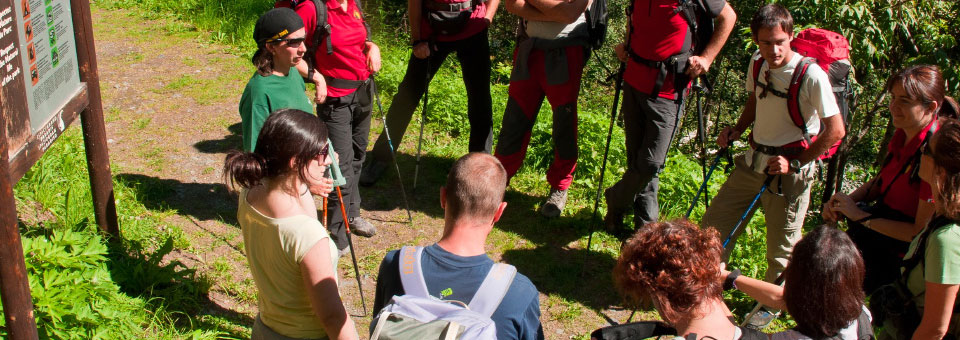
{"points": [[417, 315]]}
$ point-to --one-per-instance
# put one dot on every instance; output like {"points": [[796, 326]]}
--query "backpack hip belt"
{"points": [[675, 64], [787, 151], [344, 83]]}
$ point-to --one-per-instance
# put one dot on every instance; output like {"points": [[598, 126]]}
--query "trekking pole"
{"points": [[353, 252], [706, 179], [606, 149], [393, 153], [702, 136], [743, 217], [423, 121]]}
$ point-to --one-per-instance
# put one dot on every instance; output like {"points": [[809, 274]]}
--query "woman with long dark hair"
{"points": [[292, 259], [888, 210]]}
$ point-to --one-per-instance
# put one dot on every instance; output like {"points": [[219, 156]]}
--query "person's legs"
{"points": [[474, 56], [731, 201], [523, 104], [563, 101], [336, 114], [784, 212], [408, 96], [649, 127], [361, 109]]}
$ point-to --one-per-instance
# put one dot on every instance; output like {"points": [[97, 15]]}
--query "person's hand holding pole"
{"points": [[728, 136]]}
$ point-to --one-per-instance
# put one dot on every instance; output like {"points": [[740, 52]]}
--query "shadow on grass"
{"points": [[202, 201], [572, 274], [232, 141], [173, 287]]}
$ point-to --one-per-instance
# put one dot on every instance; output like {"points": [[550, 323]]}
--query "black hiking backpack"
{"points": [[321, 32], [597, 19]]}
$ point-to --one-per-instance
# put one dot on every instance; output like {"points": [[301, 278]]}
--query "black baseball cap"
{"points": [[275, 24]]}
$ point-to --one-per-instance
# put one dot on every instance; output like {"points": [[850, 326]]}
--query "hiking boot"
{"points": [[555, 203], [344, 251], [762, 319], [359, 226], [612, 221], [372, 172]]}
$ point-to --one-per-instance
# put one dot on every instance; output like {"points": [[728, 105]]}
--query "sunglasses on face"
{"points": [[291, 42]]}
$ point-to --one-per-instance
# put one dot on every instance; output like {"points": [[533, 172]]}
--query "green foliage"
{"points": [[86, 288]]}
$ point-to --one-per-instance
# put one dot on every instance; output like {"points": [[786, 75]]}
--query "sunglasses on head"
{"points": [[291, 42]]}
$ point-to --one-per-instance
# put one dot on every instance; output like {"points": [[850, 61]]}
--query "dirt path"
{"points": [[170, 99]]}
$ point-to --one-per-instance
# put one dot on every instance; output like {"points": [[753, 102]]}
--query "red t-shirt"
{"points": [[904, 193], [476, 24], [658, 32], [348, 35]]}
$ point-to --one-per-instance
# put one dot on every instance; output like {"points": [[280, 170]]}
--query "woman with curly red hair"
{"points": [[675, 266]]}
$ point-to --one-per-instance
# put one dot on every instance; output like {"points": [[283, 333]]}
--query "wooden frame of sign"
{"points": [[48, 71]]}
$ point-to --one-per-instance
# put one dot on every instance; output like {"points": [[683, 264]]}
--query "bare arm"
{"points": [[832, 132], [724, 25], [415, 12], [562, 11], [937, 309], [749, 114], [525, 10], [492, 6], [768, 294], [318, 276]]}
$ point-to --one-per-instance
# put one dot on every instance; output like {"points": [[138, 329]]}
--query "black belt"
{"points": [[448, 7], [675, 64], [344, 83]]}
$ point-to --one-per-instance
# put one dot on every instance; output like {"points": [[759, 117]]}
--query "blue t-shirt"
{"points": [[452, 277]]}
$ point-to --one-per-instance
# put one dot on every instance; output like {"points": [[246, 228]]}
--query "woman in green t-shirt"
{"points": [[280, 36], [291, 257], [933, 262]]}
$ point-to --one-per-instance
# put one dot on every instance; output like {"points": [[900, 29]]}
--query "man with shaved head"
{"points": [[454, 267]]}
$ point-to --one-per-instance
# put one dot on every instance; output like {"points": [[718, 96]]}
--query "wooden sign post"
{"points": [[48, 73]]}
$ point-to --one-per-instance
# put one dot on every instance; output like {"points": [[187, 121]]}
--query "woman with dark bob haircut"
{"points": [[821, 289], [292, 259], [888, 210], [676, 266]]}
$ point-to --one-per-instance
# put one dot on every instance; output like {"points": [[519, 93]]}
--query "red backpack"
{"points": [[831, 52]]}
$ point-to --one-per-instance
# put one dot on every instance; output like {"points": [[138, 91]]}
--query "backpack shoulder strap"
{"points": [[321, 33], [757, 64], [493, 288], [411, 273], [793, 96]]}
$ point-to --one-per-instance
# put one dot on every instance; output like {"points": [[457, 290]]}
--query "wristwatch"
{"points": [[795, 166], [730, 282]]}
